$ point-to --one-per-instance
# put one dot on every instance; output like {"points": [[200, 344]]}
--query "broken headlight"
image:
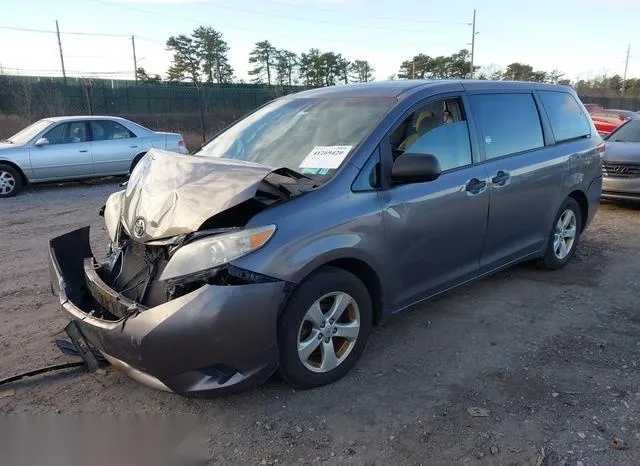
{"points": [[198, 259], [112, 211]]}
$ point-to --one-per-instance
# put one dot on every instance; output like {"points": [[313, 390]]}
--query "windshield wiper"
{"points": [[6, 140], [281, 178]]}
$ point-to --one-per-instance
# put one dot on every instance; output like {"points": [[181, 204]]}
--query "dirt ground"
{"points": [[550, 358]]}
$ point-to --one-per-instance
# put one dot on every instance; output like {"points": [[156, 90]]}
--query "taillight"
{"points": [[181, 143]]}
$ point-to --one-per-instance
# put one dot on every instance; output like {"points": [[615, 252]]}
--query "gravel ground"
{"points": [[549, 360]]}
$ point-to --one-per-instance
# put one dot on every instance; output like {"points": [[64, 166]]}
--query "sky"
{"points": [[581, 38]]}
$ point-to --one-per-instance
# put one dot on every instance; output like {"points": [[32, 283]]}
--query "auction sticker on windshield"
{"points": [[326, 157]]}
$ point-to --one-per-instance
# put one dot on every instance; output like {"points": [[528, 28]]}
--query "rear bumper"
{"points": [[621, 188], [594, 194], [214, 340]]}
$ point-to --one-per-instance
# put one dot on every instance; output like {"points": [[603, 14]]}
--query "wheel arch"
{"points": [[23, 177], [136, 159], [365, 273], [581, 198]]}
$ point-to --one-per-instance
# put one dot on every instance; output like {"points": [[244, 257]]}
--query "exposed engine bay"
{"points": [[136, 260]]}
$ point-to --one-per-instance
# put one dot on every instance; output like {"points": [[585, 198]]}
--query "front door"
{"points": [[66, 155], [435, 230]]}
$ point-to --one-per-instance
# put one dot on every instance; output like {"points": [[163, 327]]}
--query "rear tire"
{"points": [[564, 236], [323, 328], [10, 181]]}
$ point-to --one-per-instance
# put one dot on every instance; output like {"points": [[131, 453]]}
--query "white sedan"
{"points": [[66, 148]]}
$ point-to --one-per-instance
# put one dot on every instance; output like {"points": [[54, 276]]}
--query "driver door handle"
{"points": [[501, 178], [475, 186], [84, 150]]}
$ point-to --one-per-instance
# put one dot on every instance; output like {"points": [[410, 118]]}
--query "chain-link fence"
{"points": [[620, 103], [195, 111]]}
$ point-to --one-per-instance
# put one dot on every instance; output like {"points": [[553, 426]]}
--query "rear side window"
{"points": [[567, 119], [104, 130], [509, 123]]}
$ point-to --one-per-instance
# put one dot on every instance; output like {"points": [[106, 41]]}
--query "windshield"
{"points": [[27, 134], [629, 132], [311, 136]]}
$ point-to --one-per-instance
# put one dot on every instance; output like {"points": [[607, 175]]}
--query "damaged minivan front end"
{"points": [[167, 306]]}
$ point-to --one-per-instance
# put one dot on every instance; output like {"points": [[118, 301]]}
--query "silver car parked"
{"points": [[65, 148], [621, 168]]}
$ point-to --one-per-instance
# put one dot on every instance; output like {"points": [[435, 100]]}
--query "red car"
{"points": [[607, 119], [604, 125]]}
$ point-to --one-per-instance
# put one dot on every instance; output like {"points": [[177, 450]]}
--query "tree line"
{"points": [[613, 86], [203, 57]]}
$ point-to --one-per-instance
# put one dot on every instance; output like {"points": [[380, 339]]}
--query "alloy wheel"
{"points": [[328, 332], [7, 182], [564, 236]]}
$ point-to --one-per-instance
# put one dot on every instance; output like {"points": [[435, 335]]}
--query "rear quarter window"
{"points": [[567, 119]]}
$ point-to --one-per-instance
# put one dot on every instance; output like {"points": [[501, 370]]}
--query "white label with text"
{"points": [[326, 157]]}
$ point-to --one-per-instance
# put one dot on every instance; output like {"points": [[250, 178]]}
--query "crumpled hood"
{"points": [[622, 152], [175, 194]]}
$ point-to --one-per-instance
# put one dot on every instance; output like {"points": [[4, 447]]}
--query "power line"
{"points": [[364, 15], [315, 20], [117, 57], [46, 31], [68, 71], [152, 41], [200, 22]]}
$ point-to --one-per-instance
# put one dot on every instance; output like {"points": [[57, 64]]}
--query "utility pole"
{"points": [[135, 62], [64, 73], [473, 43], [626, 65], [414, 69]]}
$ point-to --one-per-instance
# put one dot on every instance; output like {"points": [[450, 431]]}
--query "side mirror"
{"points": [[415, 168], [41, 142]]}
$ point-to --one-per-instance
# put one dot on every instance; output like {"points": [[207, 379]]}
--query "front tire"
{"points": [[323, 328], [135, 162], [564, 237], [10, 181]]}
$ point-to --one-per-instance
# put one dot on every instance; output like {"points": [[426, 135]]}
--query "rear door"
{"points": [[434, 230], [525, 178], [67, 154], [114, 147]]}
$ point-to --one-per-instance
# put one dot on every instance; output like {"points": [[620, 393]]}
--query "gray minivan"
{"points": [[289, 234]]}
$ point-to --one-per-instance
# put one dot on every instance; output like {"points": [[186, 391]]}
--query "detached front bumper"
{"points": [[211, 341]]}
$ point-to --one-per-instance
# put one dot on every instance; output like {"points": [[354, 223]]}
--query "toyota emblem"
{"points": [[139, 228]]}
